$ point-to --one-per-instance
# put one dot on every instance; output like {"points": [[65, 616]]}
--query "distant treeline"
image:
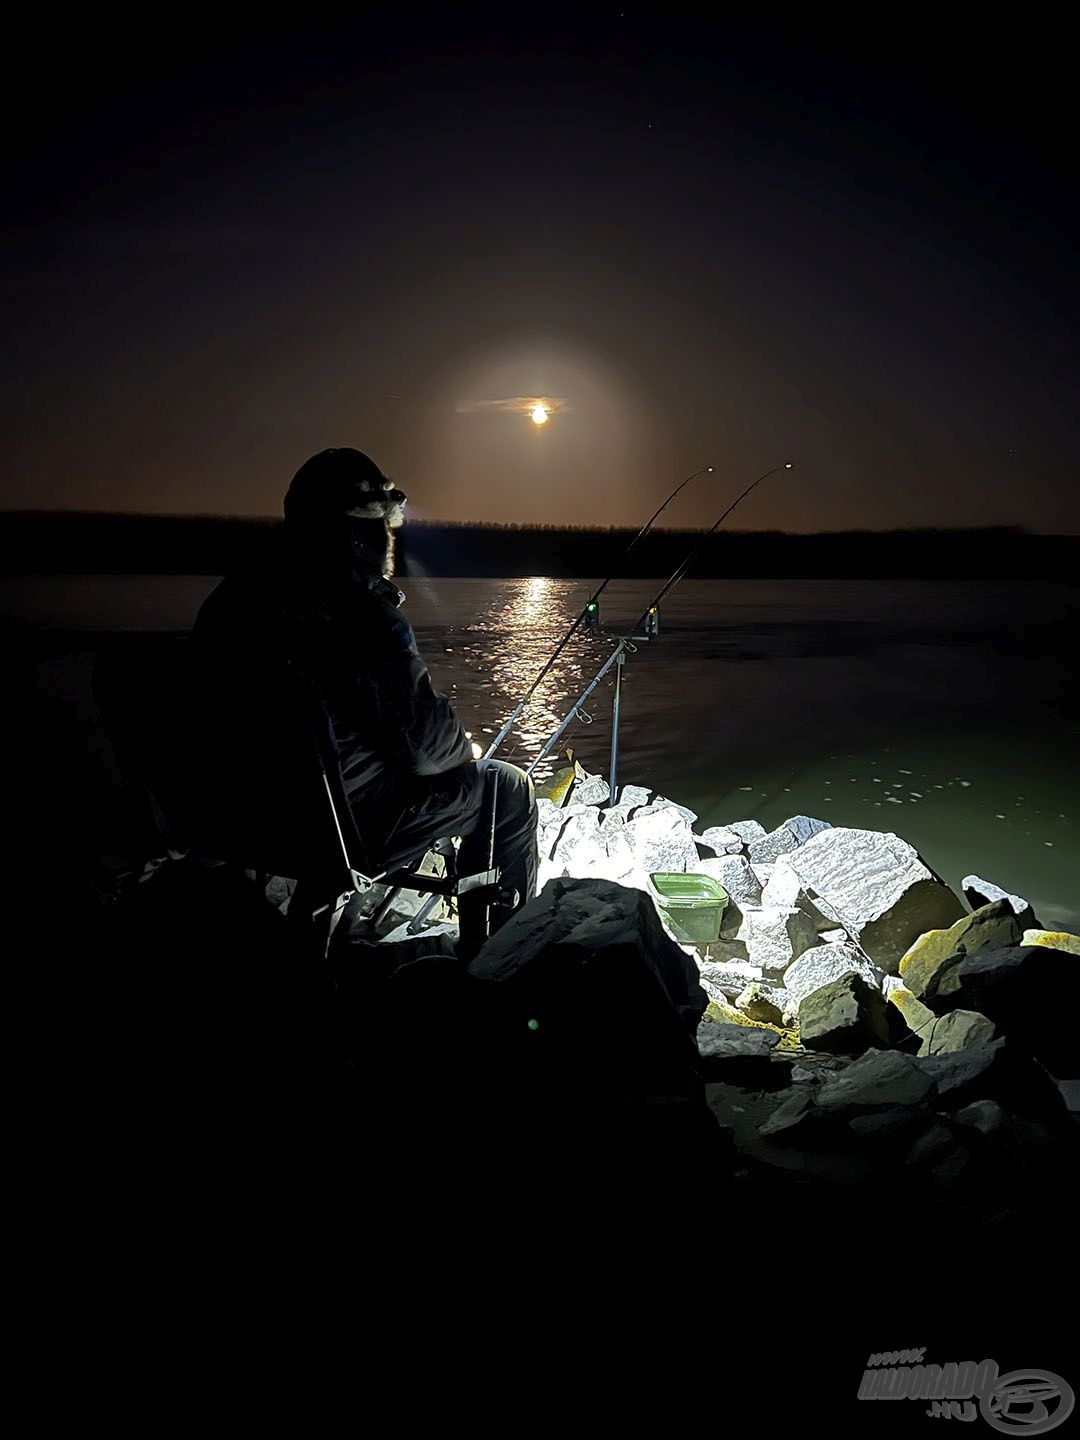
{"points": [[71, 542]]}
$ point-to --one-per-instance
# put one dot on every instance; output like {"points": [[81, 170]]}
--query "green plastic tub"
{"points": [[693, 905]]}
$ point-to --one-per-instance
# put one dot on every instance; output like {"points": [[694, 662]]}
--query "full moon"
{"points": [[539, 415]]}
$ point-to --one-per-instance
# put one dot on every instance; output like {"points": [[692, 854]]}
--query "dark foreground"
{"points": [[249, 1144]]}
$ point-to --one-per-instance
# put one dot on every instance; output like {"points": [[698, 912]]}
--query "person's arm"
{"points": [[419, 728]]}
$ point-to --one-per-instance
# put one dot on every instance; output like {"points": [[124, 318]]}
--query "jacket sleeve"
{"points": [[420, 730]]}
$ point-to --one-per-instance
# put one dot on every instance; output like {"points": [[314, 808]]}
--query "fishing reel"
{"points": [[651, 626]]}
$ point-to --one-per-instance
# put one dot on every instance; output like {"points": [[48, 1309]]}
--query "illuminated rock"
{"points": [[724, 980], [785, 889], [979, 892], [822, 964], [593, 790], [775, 936], [845, 1016], [741, 884], [759, 1003], [1060, 940], [930, 967], [632, 795], [917, 1017], [722, 840], [956, 1031], [662, 839], [747, 830], [876, 887], [794, 831]]}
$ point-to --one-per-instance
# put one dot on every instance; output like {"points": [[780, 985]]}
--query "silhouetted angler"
{"points": [[323, 601]]}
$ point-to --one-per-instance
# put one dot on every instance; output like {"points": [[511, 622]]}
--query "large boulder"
{"points": [[747, 830], [789, 835], [822, 964], [593, 928], [1025, 990], [876, 887], [930, 967], [775, 936], [758, 1002], [845, 1016], [918, 1018], [1061, 940]]}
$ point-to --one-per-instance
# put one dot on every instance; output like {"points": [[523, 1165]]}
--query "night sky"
{"points": [[845, 242]]}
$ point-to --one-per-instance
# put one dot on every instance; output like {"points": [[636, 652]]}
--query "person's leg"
{"points": [[515, 829]]}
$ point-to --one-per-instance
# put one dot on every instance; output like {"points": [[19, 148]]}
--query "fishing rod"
{"points": [[587, 610], [626, 645]]}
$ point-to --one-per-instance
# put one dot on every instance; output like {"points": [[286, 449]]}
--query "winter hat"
{"points": [[341, 482]]}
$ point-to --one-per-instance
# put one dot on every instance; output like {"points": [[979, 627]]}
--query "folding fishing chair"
{"points": [[269, 800]]}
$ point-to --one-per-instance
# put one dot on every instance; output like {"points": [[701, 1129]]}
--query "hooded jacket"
{"points": [[340, 623]]}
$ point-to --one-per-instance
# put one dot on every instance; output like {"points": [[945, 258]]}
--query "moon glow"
{"points": [[539, 414]]}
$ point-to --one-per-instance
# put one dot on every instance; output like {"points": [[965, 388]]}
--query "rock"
{"points": [[845, 1015], [995, 1071], [919, 1019], [786, 889], [747, 830], [716, 1039], [776, 937], [724, 981], [757, 1002], [593, 790], [804, 826], [796, 1114], [743, 888], [834, 937], [739, 1055], [888, 1125], [721, 840], [632, 795], [662, 802], [880, 1079], [610, 934], [930, 966], [1060, 940], [763, 873], [1021, 989], [433, 929], [789, 835], [662, 840], [979, 892], [766, 850], [956, 1031], [824, 963], [937, 1150], [876, 887]]}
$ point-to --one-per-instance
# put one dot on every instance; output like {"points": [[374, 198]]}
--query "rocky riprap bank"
{"points": [[858, 1021]]}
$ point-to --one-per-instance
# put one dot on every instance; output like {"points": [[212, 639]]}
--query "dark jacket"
{"points": [[341, 625]]}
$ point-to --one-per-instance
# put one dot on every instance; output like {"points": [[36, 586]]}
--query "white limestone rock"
{"points": [[579, 845], [775, 936], [722, 840], [747, 830], [727, 979], [786, 889], [834, 937], [822, 964], [631, 795], [593, 790], [662, 839], [979, 892], [876, 886], [763, 873], [690, 816], [743, 888], [794, 831]]}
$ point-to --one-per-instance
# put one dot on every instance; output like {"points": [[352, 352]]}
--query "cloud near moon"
{"points": [[513, 405]]}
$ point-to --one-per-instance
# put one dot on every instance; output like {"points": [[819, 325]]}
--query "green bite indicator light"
{"points": [[534, 1024]]}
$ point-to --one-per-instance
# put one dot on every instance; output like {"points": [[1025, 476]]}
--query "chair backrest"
{"points": [[240, 759]]}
